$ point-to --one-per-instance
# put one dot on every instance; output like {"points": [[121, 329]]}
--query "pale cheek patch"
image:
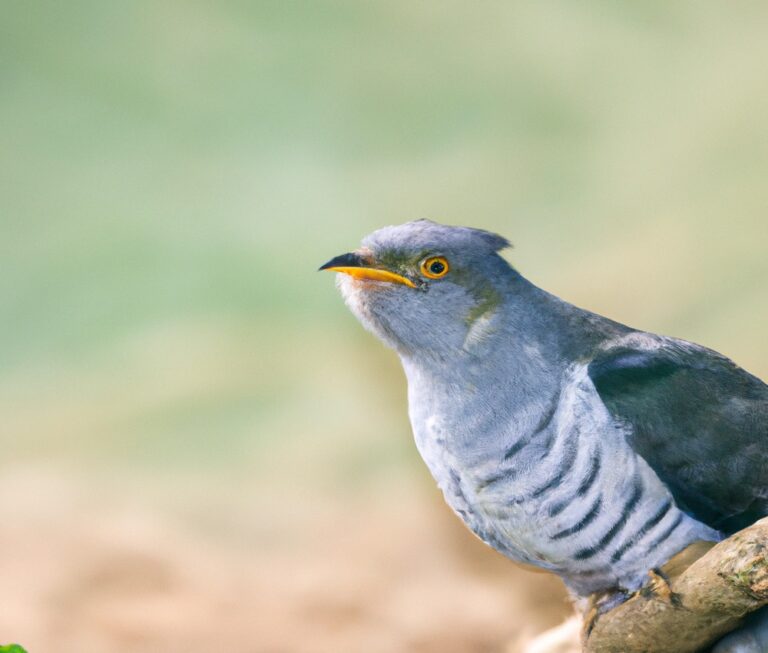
{"points": [[358, 296], [354, 296]]}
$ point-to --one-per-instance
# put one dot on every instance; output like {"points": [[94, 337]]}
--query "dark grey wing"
{"points": [[699, 420]]}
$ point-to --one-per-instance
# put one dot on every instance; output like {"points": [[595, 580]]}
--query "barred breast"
{"points": [[567, 493]]}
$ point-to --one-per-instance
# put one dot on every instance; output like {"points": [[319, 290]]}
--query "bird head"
{"points": [[423, 287]]}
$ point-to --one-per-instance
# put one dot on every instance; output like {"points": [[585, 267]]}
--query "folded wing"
{"points": [[699, 420]]}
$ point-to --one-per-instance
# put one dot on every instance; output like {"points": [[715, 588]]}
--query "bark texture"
{"points": [[700, 595]]}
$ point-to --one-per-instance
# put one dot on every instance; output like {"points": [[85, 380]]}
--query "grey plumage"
{"points": [[563, 439]]}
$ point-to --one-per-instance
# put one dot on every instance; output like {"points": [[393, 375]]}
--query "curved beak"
{"points": [[356, 266]]}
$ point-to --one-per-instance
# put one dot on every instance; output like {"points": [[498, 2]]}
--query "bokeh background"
{"points": [[201, 449]]}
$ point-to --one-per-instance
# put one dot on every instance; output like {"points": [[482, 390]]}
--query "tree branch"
{"points": [[702, 601]]}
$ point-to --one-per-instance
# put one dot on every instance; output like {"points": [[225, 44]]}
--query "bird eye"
{"points": [[435, 267]]}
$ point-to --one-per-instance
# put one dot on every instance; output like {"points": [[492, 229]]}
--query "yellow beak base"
{"points": [[373, 274]]}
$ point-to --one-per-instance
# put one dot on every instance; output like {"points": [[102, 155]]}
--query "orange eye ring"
{"points": [[435, 267]]}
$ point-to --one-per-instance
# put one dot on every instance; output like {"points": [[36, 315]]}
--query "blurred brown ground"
{"points": [[388, 580]]}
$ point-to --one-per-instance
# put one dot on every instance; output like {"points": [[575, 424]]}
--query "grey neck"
{"points": [[502, 375]]}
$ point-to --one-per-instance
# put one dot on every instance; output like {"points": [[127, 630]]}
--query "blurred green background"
{"points": [[202, 449]]}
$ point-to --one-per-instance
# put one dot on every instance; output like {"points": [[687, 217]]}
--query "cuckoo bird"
{"points": [[563, 439]]}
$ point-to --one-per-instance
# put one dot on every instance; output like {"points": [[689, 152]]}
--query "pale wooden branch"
{"points": [[700, 604]]}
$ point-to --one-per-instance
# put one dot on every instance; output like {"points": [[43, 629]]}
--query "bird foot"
{"points": [[598, 605], [658, 588]]}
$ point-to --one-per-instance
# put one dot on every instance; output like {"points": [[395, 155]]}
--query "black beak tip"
{"points": [[349, 260]]}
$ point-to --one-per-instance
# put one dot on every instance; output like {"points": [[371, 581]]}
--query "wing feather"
{"points": [[699, 420]]}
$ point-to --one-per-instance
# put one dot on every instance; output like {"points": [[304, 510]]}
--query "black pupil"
{"points": [[436, 267]]}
